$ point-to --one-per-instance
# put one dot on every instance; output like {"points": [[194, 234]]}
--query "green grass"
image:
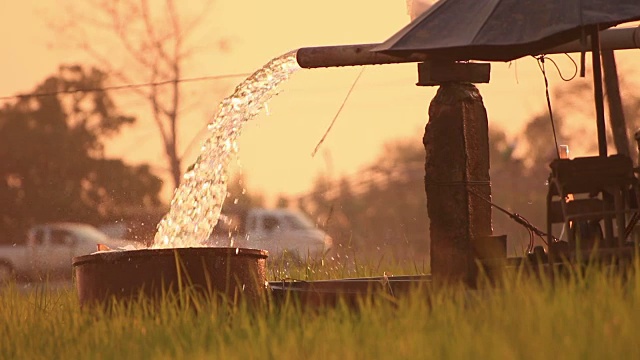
{"points": [[340, 267], [594, 315]]}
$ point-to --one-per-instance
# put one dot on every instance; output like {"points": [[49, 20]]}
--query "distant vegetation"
{"points": [[148, 42], [382, 212], [53, 166]]}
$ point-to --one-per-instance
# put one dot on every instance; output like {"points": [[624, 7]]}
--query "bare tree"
{"points": [[157, 41]]}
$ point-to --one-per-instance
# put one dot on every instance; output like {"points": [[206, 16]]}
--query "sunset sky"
{"points": [[275, 149]]}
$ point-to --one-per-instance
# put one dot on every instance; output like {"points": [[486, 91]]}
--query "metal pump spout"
{"points": [[349, 55], [361, 54]]}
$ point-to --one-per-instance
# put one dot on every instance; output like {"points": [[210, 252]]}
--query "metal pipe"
{"points": [[611, 39], [349, 55], [361, 54]]}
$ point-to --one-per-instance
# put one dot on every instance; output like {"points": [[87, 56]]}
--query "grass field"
{"points": [[594, 315]]}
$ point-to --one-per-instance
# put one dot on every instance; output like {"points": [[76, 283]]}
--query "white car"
{"points": [[278, 231], [49, 248]]}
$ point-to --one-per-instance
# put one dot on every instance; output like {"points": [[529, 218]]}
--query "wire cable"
{"points": [[124, 87], [575, 68], [337, 113], [533, 230], [541, 65]]}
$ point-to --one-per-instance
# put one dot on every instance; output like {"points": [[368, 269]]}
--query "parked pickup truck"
{"points": [[278, 231], [48, 249]]}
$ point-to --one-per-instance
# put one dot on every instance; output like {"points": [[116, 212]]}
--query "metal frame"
{"points": [[611, 178]]}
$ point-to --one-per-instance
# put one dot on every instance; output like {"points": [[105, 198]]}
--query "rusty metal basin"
{"points": [[352, 291], [235, 273]]}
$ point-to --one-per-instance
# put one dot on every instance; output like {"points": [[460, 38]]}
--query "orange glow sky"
{"points": [[275, 150]]}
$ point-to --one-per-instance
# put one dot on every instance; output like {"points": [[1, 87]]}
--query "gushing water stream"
{"points": [[196, 204]]}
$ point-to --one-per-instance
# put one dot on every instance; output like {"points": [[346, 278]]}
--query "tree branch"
{"points": [[157, 110], [156, 43]]}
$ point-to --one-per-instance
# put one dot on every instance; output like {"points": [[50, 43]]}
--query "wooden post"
{"points": [[456, 141], [616, 111], [597, 91]]}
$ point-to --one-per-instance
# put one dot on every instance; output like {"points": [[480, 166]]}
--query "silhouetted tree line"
{"points": [[382, 212], [53, 165]]}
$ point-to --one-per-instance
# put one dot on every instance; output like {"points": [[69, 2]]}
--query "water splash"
{"points": [[196, 204]]}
